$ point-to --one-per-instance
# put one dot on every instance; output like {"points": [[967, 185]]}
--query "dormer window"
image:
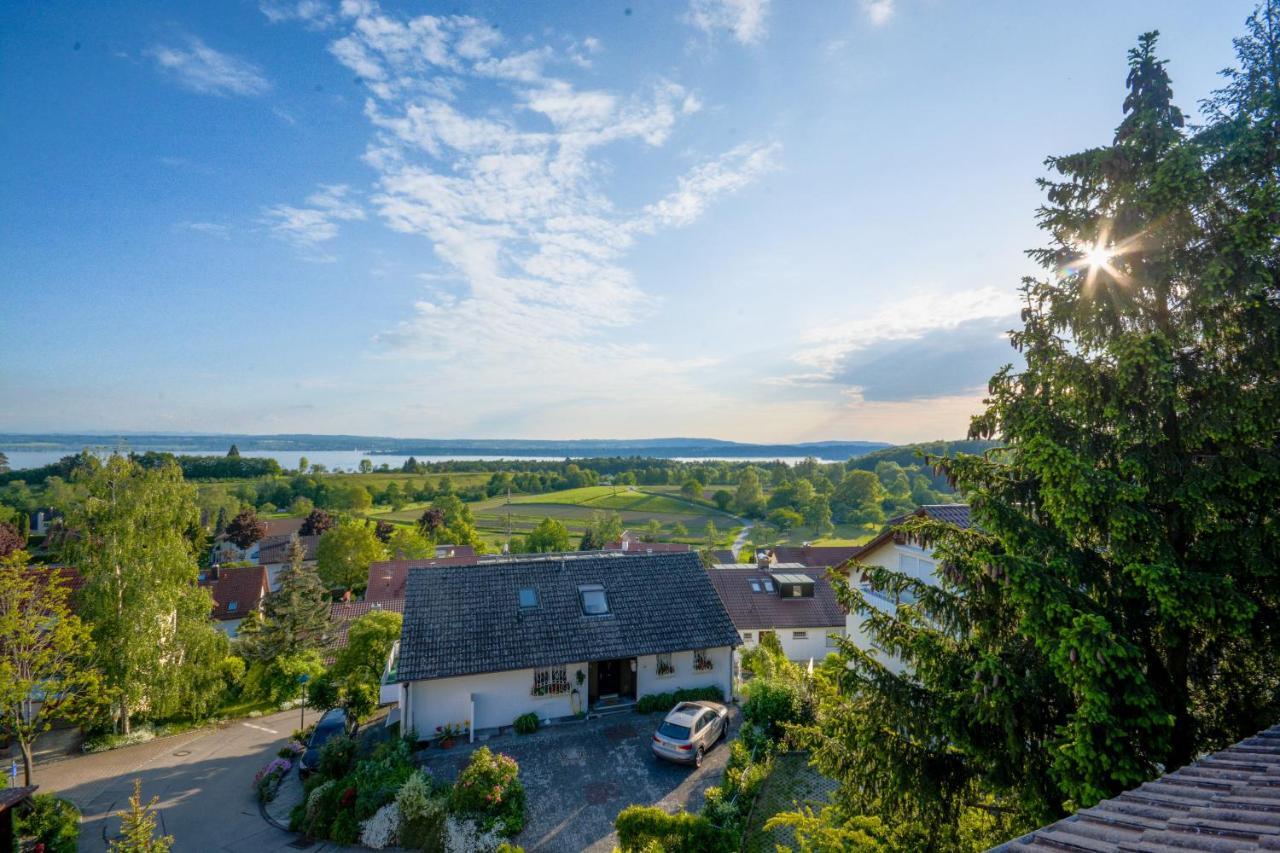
{"points": [[594, 602], [528, 598]]}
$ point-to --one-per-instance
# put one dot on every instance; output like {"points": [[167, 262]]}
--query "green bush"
{"points": [[526, 724], [50, 821], [666, 701], [489, 790], [770, 706], [323, 803], [345, 829], [337, 757], [378, 778], [727, 806], [642, 828]]}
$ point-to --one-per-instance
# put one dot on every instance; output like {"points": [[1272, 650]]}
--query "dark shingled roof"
{"points": [[462, 620], [957, 514], [751, 610], [1226, 801]]}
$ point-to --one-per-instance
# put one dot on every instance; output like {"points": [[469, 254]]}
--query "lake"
{"points": [[346, 460]]}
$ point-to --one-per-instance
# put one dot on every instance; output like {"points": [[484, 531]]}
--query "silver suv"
{"points": [[690, 730]]}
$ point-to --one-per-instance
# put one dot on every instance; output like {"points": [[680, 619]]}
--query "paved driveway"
{"points": [[578, 776], [203, 780]]}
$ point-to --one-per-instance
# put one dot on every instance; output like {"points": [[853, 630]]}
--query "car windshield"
{"points": [[673, 730]]}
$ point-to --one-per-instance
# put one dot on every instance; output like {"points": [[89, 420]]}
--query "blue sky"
{"points": [[745, 219]]}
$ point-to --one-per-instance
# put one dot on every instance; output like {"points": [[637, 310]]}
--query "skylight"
{"points": [[755, 585], [528, 597], [594, 602], [768, 585]]}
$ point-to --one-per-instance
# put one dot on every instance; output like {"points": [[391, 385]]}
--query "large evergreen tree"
{"points": [[295, 617], [1114, 610]]}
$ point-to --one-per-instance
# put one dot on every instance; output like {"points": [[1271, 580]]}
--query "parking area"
{"points": [[578, 776]]}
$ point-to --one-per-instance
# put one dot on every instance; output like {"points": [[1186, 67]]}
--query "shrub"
{"points": [[322, 808], [489, 789], [345, 829], [382, 830], [421, 815], [770, 706], [461, 833], [645, 827], [337, 757], [526, 724], [267, 780], [378, 778], [50, 821], [666, 701]]}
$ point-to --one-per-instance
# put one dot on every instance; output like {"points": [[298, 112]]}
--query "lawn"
{"points": [[845, 534]]}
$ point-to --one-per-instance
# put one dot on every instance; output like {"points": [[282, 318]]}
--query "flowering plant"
{"points": [[292, 749], [267, 779]]}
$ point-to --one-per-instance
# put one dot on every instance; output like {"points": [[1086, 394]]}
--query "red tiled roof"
{"points": [[342, 614], [282, 527], [1226, 801], [814, 556], [387, 578], [237, 591], [750, 610]]}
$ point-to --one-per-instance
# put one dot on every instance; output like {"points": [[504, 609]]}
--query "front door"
{"points": [[608, 678]]}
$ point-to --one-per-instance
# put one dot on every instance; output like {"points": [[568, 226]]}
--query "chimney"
{"points": [[762, 559]]}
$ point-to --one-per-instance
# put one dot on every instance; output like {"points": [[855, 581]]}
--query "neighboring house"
{"points": [[273, 555], [554, 636], [799, 608], [343, 613], [898, 551], [632, 543], [1229, 800], [237, 592], [814, 556], [41, 519], [275, 529], [388, 578]]}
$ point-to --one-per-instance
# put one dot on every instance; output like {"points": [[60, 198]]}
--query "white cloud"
{"points": [[316, 14], [209, 229], [200, 68], [878, 11], [510, 194], [908, 318], [307, 228], [745, 19]]}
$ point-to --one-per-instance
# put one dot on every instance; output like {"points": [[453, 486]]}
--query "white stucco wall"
{"points": [[500, 697], [798, 650], [685, 676], [889, 555]]}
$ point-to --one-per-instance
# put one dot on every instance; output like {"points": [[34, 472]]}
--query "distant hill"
{"points": [[662, 448]]}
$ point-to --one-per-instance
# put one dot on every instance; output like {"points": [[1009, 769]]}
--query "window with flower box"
{"points": [[665, 665], [701, 660], [550, 681]]}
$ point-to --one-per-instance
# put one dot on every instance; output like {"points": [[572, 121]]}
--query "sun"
{"points": [[1097, 255]]}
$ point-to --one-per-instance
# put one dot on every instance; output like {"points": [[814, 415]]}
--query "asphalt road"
{"points": [[203, 779]]}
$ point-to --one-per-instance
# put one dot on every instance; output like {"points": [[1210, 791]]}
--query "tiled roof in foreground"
{"points": [[1228, 801]]}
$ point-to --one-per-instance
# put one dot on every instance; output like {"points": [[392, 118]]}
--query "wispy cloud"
{"points": [[510, 192], [200, 68], [878, 12], [308, 227], [209, 229], [745, 19], [314, 13]]}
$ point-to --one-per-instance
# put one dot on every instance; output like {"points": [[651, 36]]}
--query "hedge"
{"points": [[641, 826], [666, 701]]}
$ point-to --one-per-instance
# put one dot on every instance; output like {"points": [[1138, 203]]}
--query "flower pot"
{"points": [[447, 743]]}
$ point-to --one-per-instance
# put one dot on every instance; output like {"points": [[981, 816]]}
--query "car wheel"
{"points": [[697, 757]]}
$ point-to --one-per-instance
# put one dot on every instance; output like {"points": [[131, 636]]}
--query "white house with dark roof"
{"points": [[795, 604], [892, 549], [555, 636]]}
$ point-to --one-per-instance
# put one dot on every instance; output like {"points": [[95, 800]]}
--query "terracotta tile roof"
{"points": [[237, 591], [343, 613], [285, 527], [1226, 801], [751, 610], [276, 549], [387, 578], [463, 620], [814, 556]]}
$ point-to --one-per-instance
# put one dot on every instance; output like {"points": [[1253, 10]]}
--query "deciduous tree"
{"points": [[345, 552], [245, 529]]}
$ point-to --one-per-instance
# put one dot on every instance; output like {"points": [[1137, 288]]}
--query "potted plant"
{"points": [[446, 736]]}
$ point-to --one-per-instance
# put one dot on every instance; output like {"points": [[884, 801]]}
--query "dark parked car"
{"points": [[333, 724], [690, 730]]}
